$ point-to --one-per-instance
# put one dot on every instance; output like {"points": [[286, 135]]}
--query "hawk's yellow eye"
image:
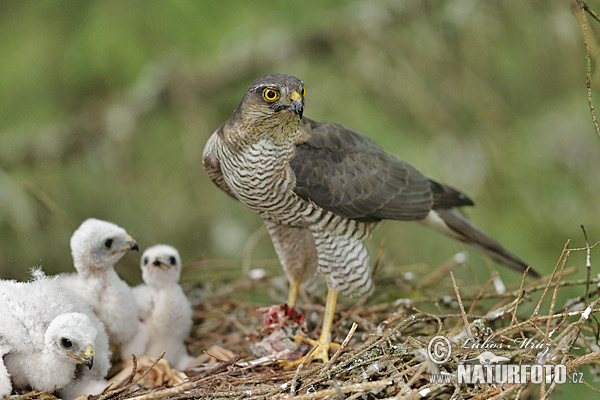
{"points": [[270, 94], [303, 92]]}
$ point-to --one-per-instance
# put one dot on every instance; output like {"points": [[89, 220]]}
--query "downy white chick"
{"points": [[164, 309], [50, 338], [96, 246]]}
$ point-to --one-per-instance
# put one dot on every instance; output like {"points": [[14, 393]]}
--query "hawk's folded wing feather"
{"points": [[347, 173]]}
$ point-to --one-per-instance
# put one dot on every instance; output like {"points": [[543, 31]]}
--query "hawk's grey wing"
{"points": [[345, 172], [211, 163]]}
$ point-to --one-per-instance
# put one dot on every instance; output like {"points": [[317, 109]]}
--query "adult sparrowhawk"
{"points": [[321, 188]]}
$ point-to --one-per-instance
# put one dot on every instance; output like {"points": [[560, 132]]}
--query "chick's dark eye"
{"points": [[172, 260], [146, 261], [66, 343], [270, 94], [108, 244]]}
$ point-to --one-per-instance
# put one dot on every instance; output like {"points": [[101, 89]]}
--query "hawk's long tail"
{"points": [[454, 224]]}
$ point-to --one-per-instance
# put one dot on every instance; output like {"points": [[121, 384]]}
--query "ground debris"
{"points": [[386, 351]]}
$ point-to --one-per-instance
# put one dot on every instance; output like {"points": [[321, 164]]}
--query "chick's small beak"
{"points": [[88, 357], [132, 244], [158, 262], [296, 103]]}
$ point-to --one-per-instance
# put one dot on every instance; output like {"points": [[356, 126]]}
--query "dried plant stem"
{"points": [[359, 387], [341, 349], [462, 307], [481, 291], [582, 8], [562, 255]]}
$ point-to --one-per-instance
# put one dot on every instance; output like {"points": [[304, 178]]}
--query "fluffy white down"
{"points": [[164, 308], [96, 246], [34, 317]]}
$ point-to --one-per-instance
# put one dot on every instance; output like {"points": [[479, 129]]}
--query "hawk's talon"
{"points": [[320, 352], [313, 343]]}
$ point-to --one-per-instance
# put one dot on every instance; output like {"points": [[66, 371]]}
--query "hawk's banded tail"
{"points": [[454, 224]]}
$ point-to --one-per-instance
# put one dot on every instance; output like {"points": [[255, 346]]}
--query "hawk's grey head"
{"points": [[273, 99]]}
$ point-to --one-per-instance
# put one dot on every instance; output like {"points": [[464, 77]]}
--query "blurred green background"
{"points": [[106, 106]]}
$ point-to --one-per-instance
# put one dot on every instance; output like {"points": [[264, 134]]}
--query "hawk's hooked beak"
{"points": [[87, 357], [296, 104]]}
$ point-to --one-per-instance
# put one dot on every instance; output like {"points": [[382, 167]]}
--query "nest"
{"points": [[384, 347]]}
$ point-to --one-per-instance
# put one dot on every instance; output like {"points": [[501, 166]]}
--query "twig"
{"points": [[414, 378], [130, 384], [437, 274], [553, 302], [359, 387], [588, 10], [305, 361], [588, 266], [539, 304], [582, 9], [379, 254], [133, 369], [514, 311], [340, 350], [462, 307], [160, 394], [481, 291]]}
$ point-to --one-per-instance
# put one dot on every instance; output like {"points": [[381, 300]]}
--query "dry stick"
{"points": [[528, 289], [518, 395], [481, 291], [160, 394], [379, 254], [504, 393], [576, 327], [553, 302], [31, 394], [591, 387], [534, 320], [588, 10], [588, 266], [539, 304], [548, 323], [436, 275], [413, 379], [122, 389], [462, 307], [339, 351], [344, 389], [305, 360], [571, 365], [133, 370], [514, 311], [582, 8]]}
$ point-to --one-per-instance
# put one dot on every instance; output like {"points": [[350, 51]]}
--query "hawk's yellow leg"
{"points": [[323, 344], [322, 351], [293, 293]]}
